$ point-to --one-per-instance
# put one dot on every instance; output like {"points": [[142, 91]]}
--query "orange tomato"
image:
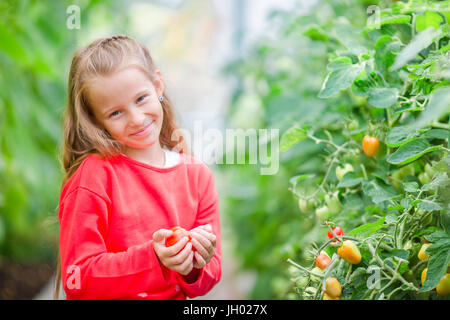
{"points": [[177, 235], [323, 261], [328, 297], [370, 145], [349, 252], [423, 276], [333, 287]]}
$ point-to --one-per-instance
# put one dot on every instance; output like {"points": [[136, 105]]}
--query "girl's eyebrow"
{"points": [[134, 97]]}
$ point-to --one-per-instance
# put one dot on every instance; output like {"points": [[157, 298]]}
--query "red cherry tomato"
{"points": [[323, 261], [337, 231], [370, 145], [177, 235]]}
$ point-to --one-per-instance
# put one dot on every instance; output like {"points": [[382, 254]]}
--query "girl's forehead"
{"points": [[119, 86], [126, 76]]}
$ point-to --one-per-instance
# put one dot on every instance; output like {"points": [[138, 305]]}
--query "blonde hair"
{"points": [[82, 134]]}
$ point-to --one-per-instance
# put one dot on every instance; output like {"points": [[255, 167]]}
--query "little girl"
{"points": [[126, 185]]}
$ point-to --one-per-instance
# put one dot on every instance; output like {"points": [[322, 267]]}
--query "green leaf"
{"points": [[379, 192], [427, 205], [382, 97], [420, 42], [368, 229], [291, 137], [437, 107], [402, 254], [411, 186], [439, 253], [342, 76], [349, 180], [400, 135], [296, 179], [339, 63], [427, 20], [315, 33], [436, 134], [353, 201], [411, 151], [445, 220], [439, 180], [350, 37], [386, 50], [401, 18], [358, 273]]}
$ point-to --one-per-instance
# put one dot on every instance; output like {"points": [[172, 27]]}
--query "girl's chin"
{"points": [[139, 145]]}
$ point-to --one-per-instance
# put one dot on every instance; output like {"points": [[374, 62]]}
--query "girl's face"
{"points": [[127, 105]]}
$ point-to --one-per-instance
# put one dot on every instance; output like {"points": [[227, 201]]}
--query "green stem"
{"points": [[304, 269], [440, 125], [328, 272], [392, 292], [364, 171]]}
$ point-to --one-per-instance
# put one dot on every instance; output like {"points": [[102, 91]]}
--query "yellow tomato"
{"points": [[349, 252], [423, 276], [422, 255], [328, 297], [333, 287], [443, 287]]}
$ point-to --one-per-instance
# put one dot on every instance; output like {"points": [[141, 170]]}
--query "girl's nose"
{"points": [[137, 117]]}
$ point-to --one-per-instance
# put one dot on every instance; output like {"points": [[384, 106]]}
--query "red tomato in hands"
{"points": [[177, 235], [337, 231]]}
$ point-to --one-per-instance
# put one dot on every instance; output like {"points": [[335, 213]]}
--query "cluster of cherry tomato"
{"points": [[332, 204], [443, 287], [347, 250]]}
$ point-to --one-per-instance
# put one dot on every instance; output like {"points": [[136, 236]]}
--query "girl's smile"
{"points": [[144, 132]]}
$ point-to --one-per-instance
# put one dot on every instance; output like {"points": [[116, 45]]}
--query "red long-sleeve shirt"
{"points": [[108, 212]]}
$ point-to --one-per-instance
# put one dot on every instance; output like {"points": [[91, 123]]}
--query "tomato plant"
{"points": [[330, 78], [397, 196]]}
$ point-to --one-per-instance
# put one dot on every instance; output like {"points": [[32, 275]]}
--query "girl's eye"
{"points": [[140, 99], [115, 113]]}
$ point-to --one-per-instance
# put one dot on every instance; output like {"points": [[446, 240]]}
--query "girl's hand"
{"points": [[204, 242], [181, 262]]}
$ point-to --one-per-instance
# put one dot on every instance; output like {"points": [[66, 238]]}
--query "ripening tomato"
{"points": [[323, 261], [337, 231], [429, 170], [370, 145], [349, 252], [422, 255], [333, 287], [423, 276], [328, 297], [341, 171], [443, 287], [333, 203], [305, 205], [177, 235], [323, 213]]}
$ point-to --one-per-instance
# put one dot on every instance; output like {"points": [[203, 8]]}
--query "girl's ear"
{"points": [[158, 83]]}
